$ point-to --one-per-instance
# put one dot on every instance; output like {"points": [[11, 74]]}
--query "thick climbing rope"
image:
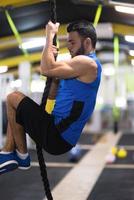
{"points": [[41, 160]]}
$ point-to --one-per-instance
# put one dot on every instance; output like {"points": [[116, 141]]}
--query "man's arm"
{"points": [[78, 66], [48, 59]]}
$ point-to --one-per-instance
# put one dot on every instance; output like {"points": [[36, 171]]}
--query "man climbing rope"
{"points": [[59, 131]]}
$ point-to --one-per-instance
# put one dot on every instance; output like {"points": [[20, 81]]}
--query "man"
{"points": [[79, 78]]}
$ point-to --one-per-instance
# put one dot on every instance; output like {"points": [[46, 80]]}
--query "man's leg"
{"points": [[16, 139], [10, 143]]}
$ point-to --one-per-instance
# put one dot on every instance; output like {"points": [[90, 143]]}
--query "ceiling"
{"points": [[31, 16]]}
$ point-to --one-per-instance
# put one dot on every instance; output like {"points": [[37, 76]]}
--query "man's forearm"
{"points": [[48, 60]]}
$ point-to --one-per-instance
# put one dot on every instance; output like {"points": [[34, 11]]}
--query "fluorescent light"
{"points": [[131, 52], [129, 38], [33, 43], [121, 2], [3, 69], [124, 9]]}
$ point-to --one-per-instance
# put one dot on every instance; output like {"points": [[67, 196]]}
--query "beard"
{"points": [[80, 51]]}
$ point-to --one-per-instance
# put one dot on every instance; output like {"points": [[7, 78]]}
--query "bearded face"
{"points": [[81, 50], [75, 44]]}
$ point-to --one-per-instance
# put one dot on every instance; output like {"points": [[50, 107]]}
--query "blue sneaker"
{"points": [[23, 164], [7, 163]]}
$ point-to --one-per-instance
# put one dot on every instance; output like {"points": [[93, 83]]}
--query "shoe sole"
{"points": [[24, 168], [9, 167], [8, 163]]}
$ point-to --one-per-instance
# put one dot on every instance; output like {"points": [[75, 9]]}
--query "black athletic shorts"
{"points": [[40, 127]]}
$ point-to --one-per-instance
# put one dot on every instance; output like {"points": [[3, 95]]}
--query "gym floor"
{"points": [[90, 178], [116, 181]]}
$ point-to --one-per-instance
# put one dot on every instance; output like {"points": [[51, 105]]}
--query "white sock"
{"points": [[22, 155], [5, 152]]}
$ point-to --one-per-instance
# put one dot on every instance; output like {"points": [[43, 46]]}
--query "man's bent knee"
{"points": [[15, 98]]}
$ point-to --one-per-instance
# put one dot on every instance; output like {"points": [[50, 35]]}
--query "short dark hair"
{"points": [[85, 29]]}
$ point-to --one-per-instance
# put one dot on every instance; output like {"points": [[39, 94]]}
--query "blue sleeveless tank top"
{"points": [[71, 90]]}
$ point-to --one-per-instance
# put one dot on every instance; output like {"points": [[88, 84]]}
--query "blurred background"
{"points": [[22, 37]]}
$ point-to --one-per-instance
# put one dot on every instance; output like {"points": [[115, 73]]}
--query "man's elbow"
{"points": [[46, 73], [43, 71]]}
